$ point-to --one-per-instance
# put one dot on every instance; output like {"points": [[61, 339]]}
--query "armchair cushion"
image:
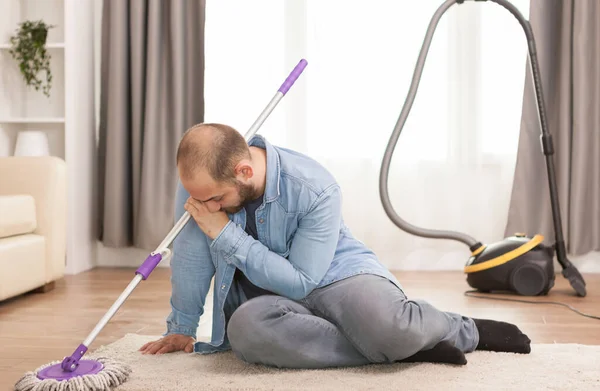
{"points": [[44, 179], [18, 215]]}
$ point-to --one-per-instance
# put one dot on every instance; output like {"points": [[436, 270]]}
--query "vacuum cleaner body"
{"points": [[517, 264]]}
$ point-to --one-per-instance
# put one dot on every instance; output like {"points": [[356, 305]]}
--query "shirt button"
{"points": [[261, 221]]}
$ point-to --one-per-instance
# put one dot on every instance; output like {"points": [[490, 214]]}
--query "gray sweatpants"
{"points": [[357, 321]]}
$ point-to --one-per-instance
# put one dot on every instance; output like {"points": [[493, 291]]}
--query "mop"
{"points": [[105, 373]]}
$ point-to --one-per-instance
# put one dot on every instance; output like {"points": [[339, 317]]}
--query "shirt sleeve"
{"points": [[192, 270], [311, 253]]}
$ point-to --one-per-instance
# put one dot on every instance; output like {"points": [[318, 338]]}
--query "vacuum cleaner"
{"points": [[103, 373], [517, 264]]}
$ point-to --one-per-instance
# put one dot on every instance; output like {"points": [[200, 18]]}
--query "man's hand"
{"points": [[211, 223], [168, 344]]}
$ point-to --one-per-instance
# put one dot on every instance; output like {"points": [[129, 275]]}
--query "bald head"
{"points": [[216, 148]]}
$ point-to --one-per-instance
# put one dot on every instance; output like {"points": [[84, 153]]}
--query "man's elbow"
{"points": [[302, 290], [299, 294]]}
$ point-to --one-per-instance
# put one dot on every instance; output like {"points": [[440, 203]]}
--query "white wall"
{"points": [[80, 143]]}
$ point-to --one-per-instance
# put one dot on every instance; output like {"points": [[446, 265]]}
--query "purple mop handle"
{"points": [[285, 87], [291, 79]]}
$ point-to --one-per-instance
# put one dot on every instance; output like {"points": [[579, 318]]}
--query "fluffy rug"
{"points": [[548, 367]]}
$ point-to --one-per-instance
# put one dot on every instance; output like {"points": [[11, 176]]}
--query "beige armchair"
{"points": [[33, 215]]}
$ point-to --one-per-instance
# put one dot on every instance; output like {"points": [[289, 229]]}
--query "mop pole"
{"points": [[162, 252]]}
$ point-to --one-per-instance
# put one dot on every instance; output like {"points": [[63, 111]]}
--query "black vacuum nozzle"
{"points": [[572, 274]]}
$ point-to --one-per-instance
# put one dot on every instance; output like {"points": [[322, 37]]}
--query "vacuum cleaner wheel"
{"points": [[528, 279]]}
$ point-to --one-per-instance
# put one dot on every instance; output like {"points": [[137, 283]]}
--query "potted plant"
{"points": [[28, 48]]}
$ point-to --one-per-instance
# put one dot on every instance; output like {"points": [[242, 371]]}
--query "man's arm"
{"points": [[192, 270], [311, 253]]}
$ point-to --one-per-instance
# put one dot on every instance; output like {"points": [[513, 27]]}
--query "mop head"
{"points": [[97, 374]]}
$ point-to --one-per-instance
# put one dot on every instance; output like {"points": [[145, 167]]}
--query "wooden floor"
{"points": [[42, 327]]}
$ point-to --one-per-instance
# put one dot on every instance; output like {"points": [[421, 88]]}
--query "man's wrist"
{"points": [[215, 230], [229, 239]]}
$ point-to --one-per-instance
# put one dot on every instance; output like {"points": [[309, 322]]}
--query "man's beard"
{"points": [[246, 193]]}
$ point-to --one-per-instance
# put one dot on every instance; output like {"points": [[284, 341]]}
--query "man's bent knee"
{"points": [[246, 328], [398, 334]]}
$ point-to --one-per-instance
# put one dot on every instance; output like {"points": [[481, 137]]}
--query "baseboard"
{"points": [[588, 263], [123, 257]]}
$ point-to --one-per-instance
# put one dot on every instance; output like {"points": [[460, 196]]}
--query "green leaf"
{"points": [[28, 48]]}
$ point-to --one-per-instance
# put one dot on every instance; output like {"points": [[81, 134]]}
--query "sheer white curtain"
{"points": [[453, 165]]}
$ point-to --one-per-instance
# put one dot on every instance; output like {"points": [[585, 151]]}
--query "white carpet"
{"points": [[548, 367]]}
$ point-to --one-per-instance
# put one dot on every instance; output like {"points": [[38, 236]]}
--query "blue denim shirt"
{"points": [[303, 244]]}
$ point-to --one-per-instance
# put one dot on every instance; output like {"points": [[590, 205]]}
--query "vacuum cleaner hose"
{"points": [[387, 157]]}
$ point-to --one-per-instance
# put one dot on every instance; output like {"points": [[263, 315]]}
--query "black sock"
{"points": [[443, 352], [501, 337]]}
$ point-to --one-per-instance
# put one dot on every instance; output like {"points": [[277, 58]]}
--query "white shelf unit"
{"points": [[21, 107], [67, 116], [49, 45], [39, 120]]}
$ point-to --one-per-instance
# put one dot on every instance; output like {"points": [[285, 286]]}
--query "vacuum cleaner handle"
{"points": [[162, 252]]}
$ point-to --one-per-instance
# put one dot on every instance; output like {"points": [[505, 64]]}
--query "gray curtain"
{"points": [[568, 41], [152, 78]]}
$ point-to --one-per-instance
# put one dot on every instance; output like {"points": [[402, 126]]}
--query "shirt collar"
{"points": [[273, 167]]}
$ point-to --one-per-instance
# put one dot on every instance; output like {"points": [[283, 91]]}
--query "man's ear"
{"points": [[244, 169]]}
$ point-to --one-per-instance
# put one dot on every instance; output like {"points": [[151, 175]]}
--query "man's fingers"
{"points": [[198, 205], [147, 345], [191, 210], [155, 347], [144, 349], [194, 207], [194, 203], [165, 349], [168, 344], [189, 206]]}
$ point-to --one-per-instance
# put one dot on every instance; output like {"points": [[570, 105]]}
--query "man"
{"points": [[292, 287]]}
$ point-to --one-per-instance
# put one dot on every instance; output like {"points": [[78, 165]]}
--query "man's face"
{"points": [[228, 197]]}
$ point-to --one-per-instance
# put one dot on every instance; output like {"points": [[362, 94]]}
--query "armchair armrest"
{"points": [[43, 178]]}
